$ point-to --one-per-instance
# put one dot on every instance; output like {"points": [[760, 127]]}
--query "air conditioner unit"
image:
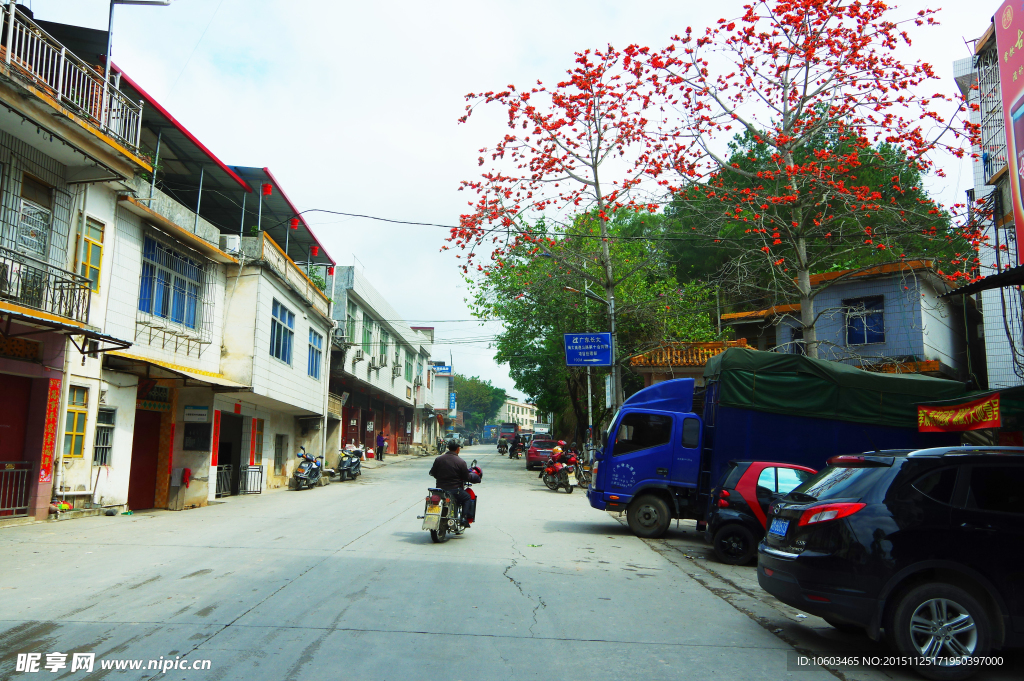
{"points": [[230, 243], [358, 356], [417, 381], [383, 361], [373, 364], [396, 371], [398, 358]]}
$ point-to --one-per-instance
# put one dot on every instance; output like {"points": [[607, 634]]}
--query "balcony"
{"points": [[74, 84], [37, 285], [266, 249]]}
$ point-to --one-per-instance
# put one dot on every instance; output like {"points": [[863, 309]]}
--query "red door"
{"points": [[13, 417], [145, 450]]}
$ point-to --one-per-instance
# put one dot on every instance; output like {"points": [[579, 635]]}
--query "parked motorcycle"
{"points": [[350, 464], [309, 470], [560, 471], [441, 447], [443, 515]]}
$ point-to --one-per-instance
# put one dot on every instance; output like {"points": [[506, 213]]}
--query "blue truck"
{"points": [[660, 459]]}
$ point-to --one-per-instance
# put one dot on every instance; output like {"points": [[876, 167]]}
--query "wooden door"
{"points": [[145, 451]]}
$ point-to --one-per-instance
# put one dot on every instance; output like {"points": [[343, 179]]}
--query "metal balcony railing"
{"points": [[76, 85], [33, 283]]}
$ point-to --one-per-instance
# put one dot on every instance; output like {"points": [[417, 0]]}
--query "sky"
{"points": [[354, 106]]}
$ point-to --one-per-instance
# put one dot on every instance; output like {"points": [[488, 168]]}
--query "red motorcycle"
{"points": [[560, 471]]}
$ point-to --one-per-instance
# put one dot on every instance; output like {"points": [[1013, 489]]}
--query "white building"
{"points": [[379, 369], [523, 413]]}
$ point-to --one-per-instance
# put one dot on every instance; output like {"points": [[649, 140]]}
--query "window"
{"points": [[864, 320], [92, 252], [367, 336], [408, 369], [691, 433], [316, 352], [36, 216], [788, 479], [385, 339], [350, 324], [259, 442], [997, 488], [280, 454], [282, 331], [642, 431], [104, 437], [171, 285], [937, 485], [74, 425]]}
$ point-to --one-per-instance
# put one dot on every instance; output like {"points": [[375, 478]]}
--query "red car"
{"points": [[739, 505], [538, 453]]}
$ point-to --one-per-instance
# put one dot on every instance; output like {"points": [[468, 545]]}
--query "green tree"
{"points": [[479, 399]]}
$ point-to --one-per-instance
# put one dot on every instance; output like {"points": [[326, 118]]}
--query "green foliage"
{"points": [[526, 289], [318, 279], [479, 399]]}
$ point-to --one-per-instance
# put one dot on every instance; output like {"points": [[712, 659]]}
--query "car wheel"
{"points": [[939, 621], [734, 545], [648, 517]]}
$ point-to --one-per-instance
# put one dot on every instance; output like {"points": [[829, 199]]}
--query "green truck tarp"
{"points": [[793, 384]]}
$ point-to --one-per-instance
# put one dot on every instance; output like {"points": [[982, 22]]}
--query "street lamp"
{"points": [[110, 37]]}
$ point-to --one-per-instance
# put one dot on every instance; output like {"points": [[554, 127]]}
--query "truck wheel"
{"points": [[941, 622], [734, 545], [648, 517]]}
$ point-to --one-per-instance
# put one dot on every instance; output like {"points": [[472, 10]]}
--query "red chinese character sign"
{"points": [[1009, 22]]}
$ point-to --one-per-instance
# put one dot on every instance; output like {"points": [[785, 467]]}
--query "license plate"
{"points": [[778, 527], [433, 510], [572, 480]]}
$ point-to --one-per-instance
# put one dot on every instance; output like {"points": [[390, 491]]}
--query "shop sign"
{"points": [[1009, 24], [442, 370], [196, 414], [369, 426], [980, 413]]}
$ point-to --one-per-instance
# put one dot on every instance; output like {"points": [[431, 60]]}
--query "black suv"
{"points": [[927, 545]]}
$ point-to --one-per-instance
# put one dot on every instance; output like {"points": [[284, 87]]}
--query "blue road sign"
{"points": [[588, 349]]}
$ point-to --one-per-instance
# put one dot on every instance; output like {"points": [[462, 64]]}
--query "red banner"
{"points": [[1009, 24], [216, 438], [50, 430], [252, 444], [980, 413]]}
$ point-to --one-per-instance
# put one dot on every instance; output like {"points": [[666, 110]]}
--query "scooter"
{"points": [[309, 470], [443, 515], [350, 464]]}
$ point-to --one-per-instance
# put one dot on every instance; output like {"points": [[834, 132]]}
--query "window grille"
{"points": [[104, 437], [282, 332], [172, 285], [316, 352]]}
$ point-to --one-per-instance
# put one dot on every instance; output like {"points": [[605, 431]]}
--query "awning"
{"points": [[152, 368], [50, 323], [1011, 277]]}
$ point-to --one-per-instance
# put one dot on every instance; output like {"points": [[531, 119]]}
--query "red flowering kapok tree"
{"points": [[802, 139], [576, 148]]}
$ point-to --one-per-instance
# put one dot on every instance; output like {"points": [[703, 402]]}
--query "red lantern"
{"points": [[315, 251], [330, 271], [267, 189], [294, 223]]}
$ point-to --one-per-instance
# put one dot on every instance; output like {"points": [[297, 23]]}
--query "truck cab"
{"points": [[650, 461]]}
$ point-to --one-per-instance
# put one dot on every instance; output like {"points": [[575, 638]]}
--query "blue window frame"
{"points": [[316, 352], [865, 320], [171, 285], [282, 332]]}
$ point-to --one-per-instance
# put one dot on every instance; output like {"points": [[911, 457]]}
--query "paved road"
{"points": [[340, 582]]}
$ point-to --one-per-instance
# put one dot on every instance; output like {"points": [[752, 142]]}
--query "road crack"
{"points": [[519, 585]]}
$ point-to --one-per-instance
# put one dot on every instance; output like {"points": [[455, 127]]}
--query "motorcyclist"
{"points": [[517, 443], [450, 473]]}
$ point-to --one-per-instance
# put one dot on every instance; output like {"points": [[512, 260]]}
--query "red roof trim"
{"points": [[156, 105], [296, 212]]}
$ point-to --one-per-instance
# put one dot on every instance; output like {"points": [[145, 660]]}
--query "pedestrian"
{"points": [[381, 445]]}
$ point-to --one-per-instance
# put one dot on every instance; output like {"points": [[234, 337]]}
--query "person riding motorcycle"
{"points": [[517, 444], [450, 473]]}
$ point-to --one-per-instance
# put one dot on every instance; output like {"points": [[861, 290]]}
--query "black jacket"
{"points": [[451, 471]]}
